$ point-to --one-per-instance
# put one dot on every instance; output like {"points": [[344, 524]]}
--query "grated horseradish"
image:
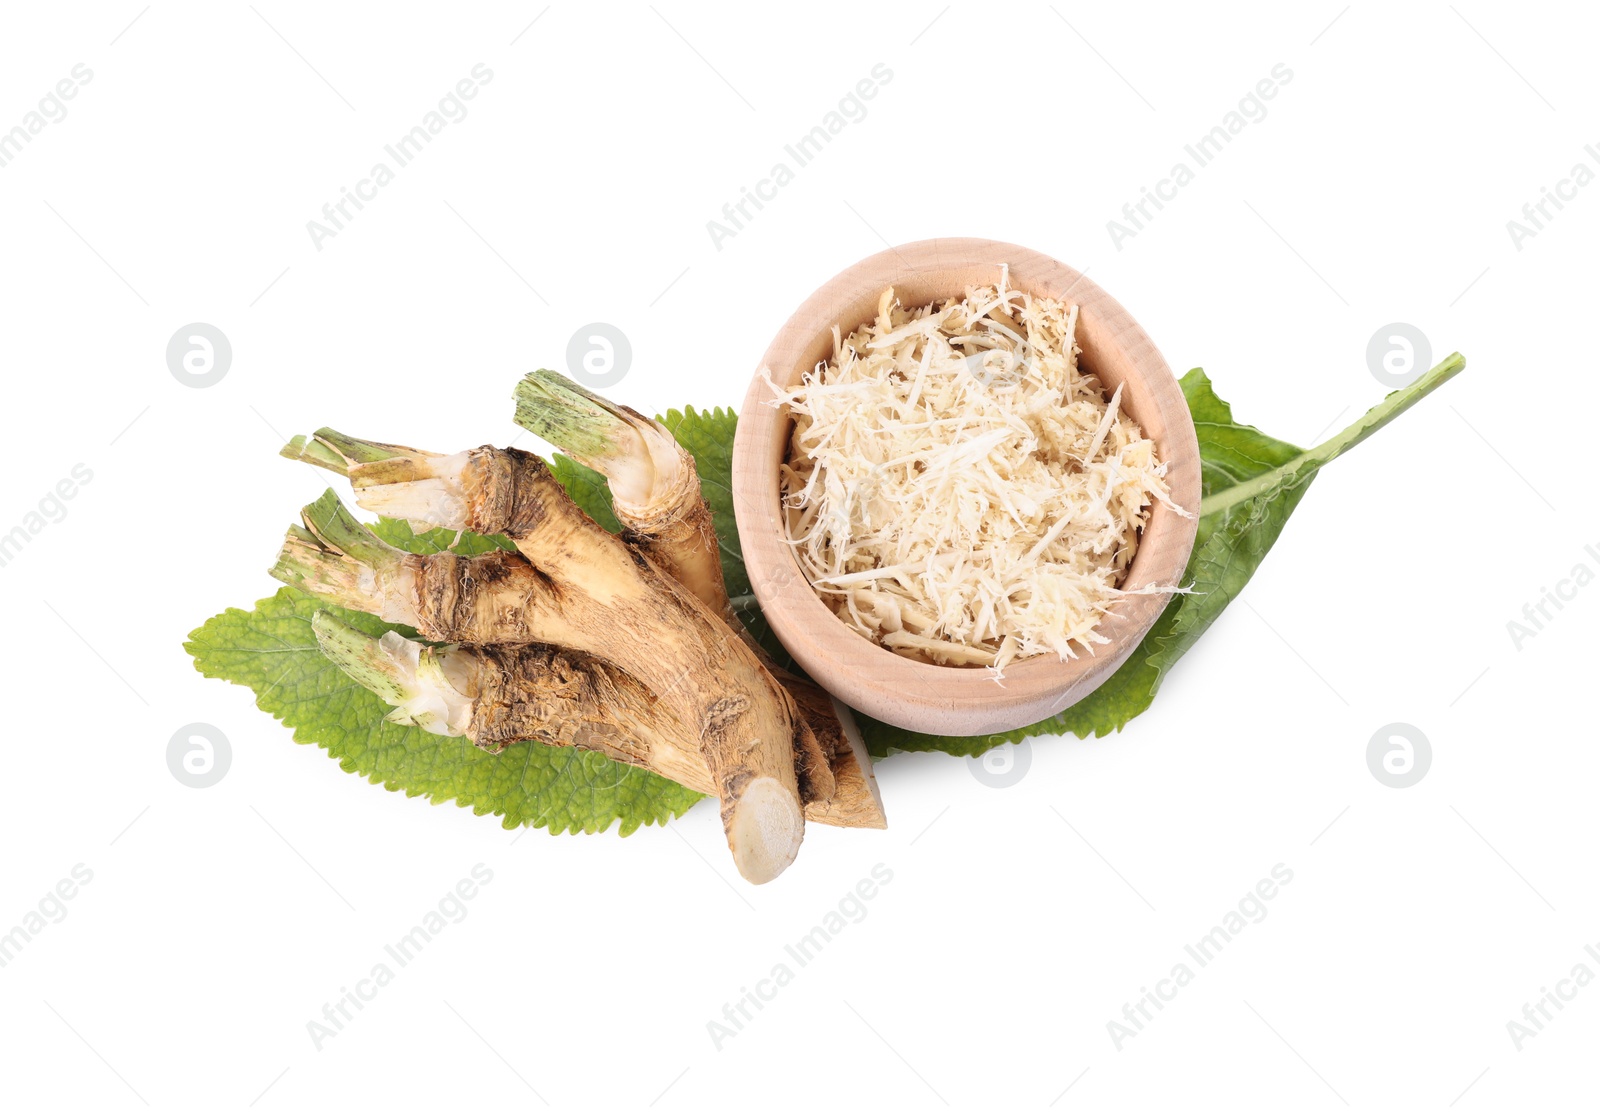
{"points": [[957, 489]]}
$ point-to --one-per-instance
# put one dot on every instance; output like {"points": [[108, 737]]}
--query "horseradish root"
{"points": [[484, 490], [624, 644], [575, 586], [499, 695]]}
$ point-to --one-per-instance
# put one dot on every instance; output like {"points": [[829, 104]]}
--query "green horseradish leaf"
{"points": [[1250, 484]]}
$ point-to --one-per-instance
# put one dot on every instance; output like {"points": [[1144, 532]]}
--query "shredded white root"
{"points": [[957, 490]]}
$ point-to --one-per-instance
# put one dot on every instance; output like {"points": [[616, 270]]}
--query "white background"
{"points": [[1377, 189]]}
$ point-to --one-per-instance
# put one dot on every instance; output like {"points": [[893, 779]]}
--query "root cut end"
{"points": [[765, 830]]}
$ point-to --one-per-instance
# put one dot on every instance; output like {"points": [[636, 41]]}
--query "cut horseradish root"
{"points": [[624, 645], [958, 490], [575, 586]]}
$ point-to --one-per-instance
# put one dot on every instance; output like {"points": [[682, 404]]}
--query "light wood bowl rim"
{"points": [[934, 698]]}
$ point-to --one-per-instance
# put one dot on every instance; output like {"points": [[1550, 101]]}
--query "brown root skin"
{"points": [[506, 490], [856, 801], [494, 599], [499, 599], [675, 532], [583, 588], [557, 697], [812, 770], [678, 535], [512, 493], [551, 696]]}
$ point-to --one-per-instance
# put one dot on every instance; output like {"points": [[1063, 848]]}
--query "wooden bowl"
{"points": [[934, 698]]}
